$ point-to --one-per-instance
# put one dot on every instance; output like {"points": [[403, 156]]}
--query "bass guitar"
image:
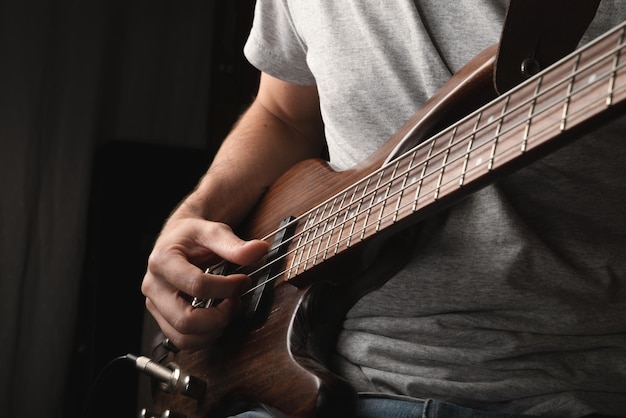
{"points": [[325, 225]]}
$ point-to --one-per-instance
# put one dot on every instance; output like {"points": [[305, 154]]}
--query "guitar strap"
{"points": [[536, 34]]}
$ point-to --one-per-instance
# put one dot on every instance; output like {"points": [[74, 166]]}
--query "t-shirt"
{"points": [[514, 299]]}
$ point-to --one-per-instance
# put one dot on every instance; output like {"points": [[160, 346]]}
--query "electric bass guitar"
{"points": [[325, 225]]}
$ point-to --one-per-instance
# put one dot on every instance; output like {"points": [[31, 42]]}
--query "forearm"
{"points": [[262, 146]]}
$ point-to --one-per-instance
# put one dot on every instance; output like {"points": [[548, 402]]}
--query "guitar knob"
{"points": [[169, 346], [145, 413], [170, 414], [193, 387]]}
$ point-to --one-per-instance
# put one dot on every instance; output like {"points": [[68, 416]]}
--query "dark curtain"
{"points": [[102, 103]]}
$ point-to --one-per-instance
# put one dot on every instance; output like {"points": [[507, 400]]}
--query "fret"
{"points": [[598, 81], [545, 112], [443, 165], [294, 265], [356, 212], [304, 242], [496, 137], [314, 236], [309, 238], [318, 236], [570, 89], [383, 203], [531, 112], [470, 144], [616, 57], [331, 230], [404, 186], [420, 180], [323, 233], [302, 248], [373, 202], [345, 217]]}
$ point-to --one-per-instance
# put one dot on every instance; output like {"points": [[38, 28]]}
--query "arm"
{"points": [[282, 127]]}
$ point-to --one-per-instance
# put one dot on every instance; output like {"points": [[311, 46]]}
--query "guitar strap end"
{"points": [[536, 34]]}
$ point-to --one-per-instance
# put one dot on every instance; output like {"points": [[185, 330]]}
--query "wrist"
{"points": [[191, 207]]}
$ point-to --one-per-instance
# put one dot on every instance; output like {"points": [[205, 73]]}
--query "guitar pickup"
{"points": [[264, 281], [220, 270], [264, 286]]}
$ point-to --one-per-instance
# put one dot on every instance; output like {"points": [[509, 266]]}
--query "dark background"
{"points": [[110, 111]]}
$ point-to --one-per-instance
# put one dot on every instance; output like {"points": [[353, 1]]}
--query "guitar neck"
{"points": [[547, 111]]}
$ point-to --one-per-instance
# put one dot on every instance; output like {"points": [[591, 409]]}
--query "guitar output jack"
{"points": [[171, 377]]}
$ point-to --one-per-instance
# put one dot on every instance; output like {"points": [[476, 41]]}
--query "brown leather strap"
{"points": [[538, 33]]}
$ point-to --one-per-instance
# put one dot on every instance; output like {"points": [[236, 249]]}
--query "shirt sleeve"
{"points": [[274, 45]]}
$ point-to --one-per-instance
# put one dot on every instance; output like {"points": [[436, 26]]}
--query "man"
{"points": [[513, 301]]}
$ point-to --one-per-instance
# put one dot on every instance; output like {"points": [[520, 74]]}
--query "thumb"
{"points": [[222, 241]]}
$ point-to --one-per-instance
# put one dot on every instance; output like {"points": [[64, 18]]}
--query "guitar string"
{"points": [[314, 259], [552, 106], [389, 183], [346, 209], [304, 264], [487, 126]]}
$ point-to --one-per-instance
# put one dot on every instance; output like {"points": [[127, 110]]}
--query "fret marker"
{"points": [[479, 161], [592, 79]]}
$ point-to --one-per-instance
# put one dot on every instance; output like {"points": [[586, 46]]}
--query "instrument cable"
{"points": [[89, 398]]}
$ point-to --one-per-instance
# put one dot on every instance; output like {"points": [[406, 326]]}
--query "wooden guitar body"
{"points": [[344, 246]]}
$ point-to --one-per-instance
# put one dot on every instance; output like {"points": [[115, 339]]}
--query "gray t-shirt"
{"points": [[515, 298]]}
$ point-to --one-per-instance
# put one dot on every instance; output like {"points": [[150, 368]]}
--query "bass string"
{"points": [[335, 214], [446, 149], [344, 210]]}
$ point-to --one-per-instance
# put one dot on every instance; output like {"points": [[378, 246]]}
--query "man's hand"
{"points": [[176, 274], [282, 127]]}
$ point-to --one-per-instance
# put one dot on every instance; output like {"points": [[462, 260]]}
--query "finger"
{"points": [[175, 269], [175, 305], [189, 329], [180, 340], [222, 241], [173, 260]]}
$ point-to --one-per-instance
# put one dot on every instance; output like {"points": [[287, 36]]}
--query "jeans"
{"points": [[383, 407]]}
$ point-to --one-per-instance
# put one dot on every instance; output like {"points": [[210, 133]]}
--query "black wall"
{"points": [[135, 184]]}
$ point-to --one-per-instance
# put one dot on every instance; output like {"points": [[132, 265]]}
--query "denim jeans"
{"points": [[383, 407]]}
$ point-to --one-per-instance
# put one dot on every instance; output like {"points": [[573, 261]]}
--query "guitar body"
{"points": [[280, 362]]}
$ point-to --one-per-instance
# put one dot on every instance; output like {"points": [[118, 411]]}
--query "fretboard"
{"points": [[567, 97]]}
